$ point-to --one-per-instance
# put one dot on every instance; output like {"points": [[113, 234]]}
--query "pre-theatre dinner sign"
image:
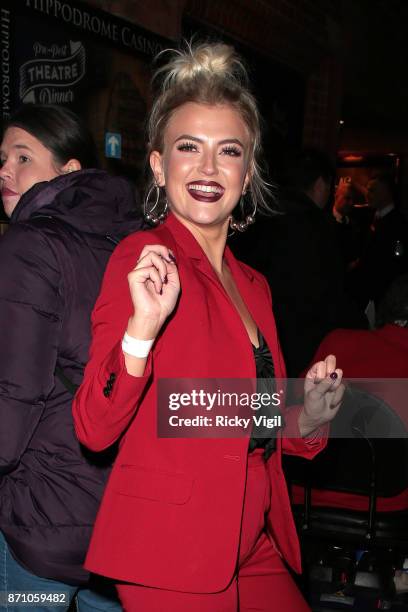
{"points": [[53, 52], [52, 81]]}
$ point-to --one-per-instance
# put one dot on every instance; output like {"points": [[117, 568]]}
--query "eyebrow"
{"points": [[19, 146], [22, 146], [221, 142]]}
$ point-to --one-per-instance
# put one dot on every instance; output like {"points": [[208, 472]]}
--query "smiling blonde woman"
{"points": [[195, 524]]}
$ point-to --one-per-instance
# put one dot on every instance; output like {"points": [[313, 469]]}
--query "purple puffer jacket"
{"points": [[52, 259]]}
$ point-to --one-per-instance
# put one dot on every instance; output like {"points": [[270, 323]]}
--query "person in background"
{"points": [[381, 352], [66, 217], [343, 203], [299, 255], [193, 524], [386, 254], [349, 234]]}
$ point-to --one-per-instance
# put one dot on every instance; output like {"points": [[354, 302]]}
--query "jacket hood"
{"points": [[90, 201]]}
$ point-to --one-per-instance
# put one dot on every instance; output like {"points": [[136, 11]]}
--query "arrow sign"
{"points": [[113, 145]]}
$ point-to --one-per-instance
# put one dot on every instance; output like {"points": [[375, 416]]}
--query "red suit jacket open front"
{"points": [[171, 513]]}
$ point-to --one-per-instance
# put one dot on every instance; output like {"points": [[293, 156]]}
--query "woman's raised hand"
{"points": [[154, 287], [323, 393]]}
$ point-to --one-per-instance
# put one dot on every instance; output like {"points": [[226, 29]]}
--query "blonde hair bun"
{"points": [[202, 61]]}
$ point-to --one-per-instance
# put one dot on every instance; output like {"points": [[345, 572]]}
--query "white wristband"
{"points": [[135, 347]]}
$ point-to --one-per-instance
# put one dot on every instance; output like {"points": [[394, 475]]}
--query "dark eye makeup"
{"points": [[187, 146], [232, 150]]}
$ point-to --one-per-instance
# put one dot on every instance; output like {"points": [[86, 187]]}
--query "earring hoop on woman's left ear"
{"points": [[242, 226]]}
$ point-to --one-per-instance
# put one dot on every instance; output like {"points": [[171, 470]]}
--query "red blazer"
{"points": [[171, 513]]}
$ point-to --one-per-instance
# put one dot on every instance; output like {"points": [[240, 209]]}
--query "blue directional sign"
{"points": [[113, 145]]}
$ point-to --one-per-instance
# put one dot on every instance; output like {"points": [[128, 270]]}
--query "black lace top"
{"points": [[262, 436]]}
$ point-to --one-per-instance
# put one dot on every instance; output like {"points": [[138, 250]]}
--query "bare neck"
{"points": [[212, 240]]}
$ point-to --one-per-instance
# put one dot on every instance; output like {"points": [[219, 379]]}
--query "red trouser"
{"points": [[262, 583]]}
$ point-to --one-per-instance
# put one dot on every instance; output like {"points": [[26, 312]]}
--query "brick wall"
{"points": [[323, 106], [293, 32], [163, 17], [296, 33]]}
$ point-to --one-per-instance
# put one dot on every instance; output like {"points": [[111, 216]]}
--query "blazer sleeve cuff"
{"points": [[116, 384], [106, 403], [292, 441]]}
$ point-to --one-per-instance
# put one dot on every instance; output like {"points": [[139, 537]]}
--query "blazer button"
{"points": [[112, 377], [106, 391]]}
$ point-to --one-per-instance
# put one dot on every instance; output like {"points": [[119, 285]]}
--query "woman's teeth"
{"points": [[205, 188]]}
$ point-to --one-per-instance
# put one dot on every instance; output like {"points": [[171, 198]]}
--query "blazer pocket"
{"points": [[137, 481]]}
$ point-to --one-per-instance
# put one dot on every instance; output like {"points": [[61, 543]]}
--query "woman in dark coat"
{"points": [[65, 220]]}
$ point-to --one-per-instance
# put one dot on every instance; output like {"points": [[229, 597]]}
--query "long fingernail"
{"points": [[161, 291], [165, 280], [334, 375], [172, 258]]}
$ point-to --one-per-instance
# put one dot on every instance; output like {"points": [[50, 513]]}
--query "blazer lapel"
{"points": [[249, 284], [252, 290]]}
